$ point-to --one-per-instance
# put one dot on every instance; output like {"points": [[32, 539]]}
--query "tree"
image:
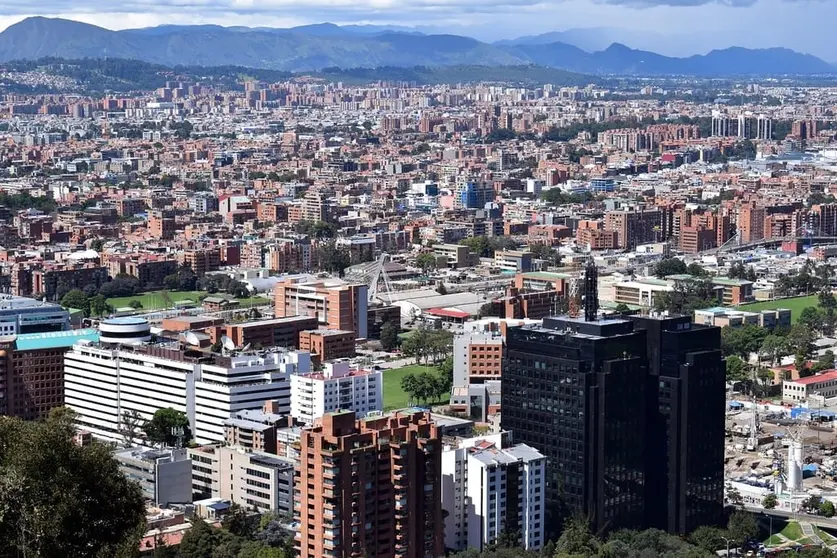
{"points": [[827, 508], [696, 270], [544, 252], [410, 386], [130, 426], [135, 304], [742, 527], [742, 341], [736, 369], [478, 245], [770, 501], [426, 261], [61, 499], [812, 503], [576, 539], [774, 347], [446, 372], [686, 297], [812, 318], [161, 429], [389, 336], [670, 266], [708, 538], [734, 496], [332, 258], [441, 288], [240, 523], [99, 306], [622, 308], [76, 299]]}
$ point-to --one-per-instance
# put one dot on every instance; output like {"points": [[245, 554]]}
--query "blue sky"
{"points": [[677, 27]]}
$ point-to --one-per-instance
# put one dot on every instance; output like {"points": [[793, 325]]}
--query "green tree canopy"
{"points": [[162, 427], [670, 266], [61, 499]]}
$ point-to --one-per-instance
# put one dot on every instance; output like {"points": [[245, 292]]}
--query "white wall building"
{"points": [[337, 387], [822, 385], [487, 489], [102, 383]]}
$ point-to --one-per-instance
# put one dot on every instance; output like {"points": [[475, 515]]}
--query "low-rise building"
{"points": [[165, 476], [823, 385]]}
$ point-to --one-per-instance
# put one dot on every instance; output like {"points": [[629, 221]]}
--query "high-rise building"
{"points": [[104, 381], [489, 489], [623, 412], [575, 390], [764, 127], [634, 226], [370, 487], [751, 223], [686, 387]]}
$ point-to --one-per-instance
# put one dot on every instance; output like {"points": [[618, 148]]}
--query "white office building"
{"points": [[20, 315], [337, 387], [102, 383], [487, 490]]}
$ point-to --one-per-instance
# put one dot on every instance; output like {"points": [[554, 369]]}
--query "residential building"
{"points": [[477, 358], [46, 281], [370, 487], [103, 382], [337, 387], [457, 255], [634, 226], [751, 223], [165, 476], [251, 479], [334, 303], [255, 430], [490, 488]]}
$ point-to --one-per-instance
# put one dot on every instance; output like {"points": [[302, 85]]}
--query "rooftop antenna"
{"points": [[227, 344], [591, 292], [177, 433]]}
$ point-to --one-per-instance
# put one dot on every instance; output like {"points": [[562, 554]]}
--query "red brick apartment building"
{"points": [[370, 488]]}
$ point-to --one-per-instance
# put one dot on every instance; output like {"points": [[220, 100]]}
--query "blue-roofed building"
{"points": [[32, 370]]}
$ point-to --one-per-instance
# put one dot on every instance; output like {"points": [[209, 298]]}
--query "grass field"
{"points": [[154, 300], [796, 305], [394, 396]]}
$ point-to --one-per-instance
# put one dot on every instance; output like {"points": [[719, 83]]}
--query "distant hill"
{"points": [[313, 47]]}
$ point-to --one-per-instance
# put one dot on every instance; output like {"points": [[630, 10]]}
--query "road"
{"points": [[817, 520]]}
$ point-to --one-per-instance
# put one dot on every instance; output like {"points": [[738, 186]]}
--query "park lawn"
{"points": [[792, 531], [254, 301], [154, 300], [394, 396], [796, 305]]}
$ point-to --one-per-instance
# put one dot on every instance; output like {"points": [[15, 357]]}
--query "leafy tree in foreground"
{"points": [[61, 499], [389, 336]]}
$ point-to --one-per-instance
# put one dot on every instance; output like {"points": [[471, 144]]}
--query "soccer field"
{"points": [[796, 305], [154, 300]]}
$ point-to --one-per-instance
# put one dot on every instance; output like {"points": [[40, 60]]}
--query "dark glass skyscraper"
{"points": [[686, 387], [627, 413], [576, 390]]}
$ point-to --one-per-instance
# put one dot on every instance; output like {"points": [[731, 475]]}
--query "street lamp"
{"points": [[728, 541]]}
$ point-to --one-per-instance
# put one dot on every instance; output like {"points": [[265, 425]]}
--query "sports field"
{"points": [[796, 305], [155, 301]]}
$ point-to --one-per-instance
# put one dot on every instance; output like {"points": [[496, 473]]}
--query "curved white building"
{"points": [[125, 331]]}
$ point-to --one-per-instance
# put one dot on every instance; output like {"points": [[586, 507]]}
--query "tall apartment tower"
{"points": [[751, 223], [575, 390], [686, 387], [370, 488], [628, 414]]}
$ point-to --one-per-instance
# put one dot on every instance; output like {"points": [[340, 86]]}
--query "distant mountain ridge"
{"points": [[313, 47]]}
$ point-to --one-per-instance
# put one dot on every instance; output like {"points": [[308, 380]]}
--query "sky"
{"points": [[673, 27]]}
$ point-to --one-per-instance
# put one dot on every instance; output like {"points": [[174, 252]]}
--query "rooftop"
{"points": [[826, 376], [54, 339]]}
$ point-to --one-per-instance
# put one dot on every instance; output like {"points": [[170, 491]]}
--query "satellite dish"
{"points": [[246, 347], [227, 343], [191, 339]]}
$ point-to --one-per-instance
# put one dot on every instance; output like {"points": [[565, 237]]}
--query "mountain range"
{"points": [[314, 47]]}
